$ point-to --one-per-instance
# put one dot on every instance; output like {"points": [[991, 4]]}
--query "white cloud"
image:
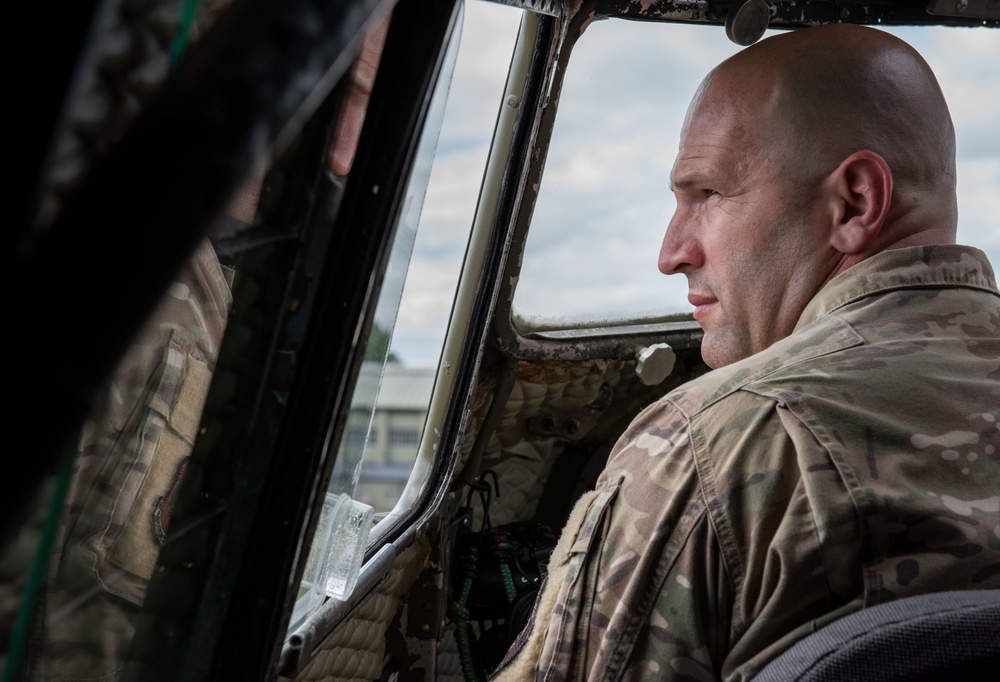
{"points": [[964, 61], [485, 49], [979, 206], [454, 187], [452, 192]]}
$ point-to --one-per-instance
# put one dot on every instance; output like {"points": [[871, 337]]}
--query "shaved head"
{"points": [[814, 96], [801, 156]]}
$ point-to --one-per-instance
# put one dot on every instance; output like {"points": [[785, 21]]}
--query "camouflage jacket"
{"points": [[131, 457], [854, 462]]}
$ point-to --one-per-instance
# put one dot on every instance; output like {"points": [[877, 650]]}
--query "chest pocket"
{"points": [[564, 653], [144, 471]]}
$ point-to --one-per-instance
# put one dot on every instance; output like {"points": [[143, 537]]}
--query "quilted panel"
{"points": [[449, 665], [522, 458], [523, 466], [357, 650], [558, 386]]}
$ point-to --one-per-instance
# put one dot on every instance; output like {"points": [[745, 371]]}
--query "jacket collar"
{"points": [[908, 268]]}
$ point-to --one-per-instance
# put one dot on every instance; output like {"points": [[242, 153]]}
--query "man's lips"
{"points": [[702, 304]]}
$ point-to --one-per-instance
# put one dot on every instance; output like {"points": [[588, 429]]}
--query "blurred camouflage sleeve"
{"points": [[131, 458]]}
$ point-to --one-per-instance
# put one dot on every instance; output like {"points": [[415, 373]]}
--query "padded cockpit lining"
{"points": [[602, 395]]}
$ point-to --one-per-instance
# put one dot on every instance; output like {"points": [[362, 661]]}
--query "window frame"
{"points": [[465, 355], [559, 340]]}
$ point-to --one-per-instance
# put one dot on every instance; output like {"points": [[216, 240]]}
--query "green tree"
{"points": [[378, 344]]}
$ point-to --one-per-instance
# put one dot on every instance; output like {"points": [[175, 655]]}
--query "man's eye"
{"points": [[709, 192]]}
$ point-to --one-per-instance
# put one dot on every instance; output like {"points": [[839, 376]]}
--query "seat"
{"points": [[924, 638]]}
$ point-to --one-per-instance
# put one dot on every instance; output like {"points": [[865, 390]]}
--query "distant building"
{"points": [[394, 436]]}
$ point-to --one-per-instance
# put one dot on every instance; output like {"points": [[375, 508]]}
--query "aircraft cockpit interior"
{"points": [[328, 311]]}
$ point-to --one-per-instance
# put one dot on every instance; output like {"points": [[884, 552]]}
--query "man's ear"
{"points": [[862, 186]]}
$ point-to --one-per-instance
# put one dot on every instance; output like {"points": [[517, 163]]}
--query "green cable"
{"points": [[180, 43], [508, 582], [460, 613], [38, 569], [465, 652], [504, 551]]}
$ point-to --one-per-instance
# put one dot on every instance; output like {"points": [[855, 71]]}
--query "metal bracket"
{"points": [[980, 9], [747, 21], [655, 363]]}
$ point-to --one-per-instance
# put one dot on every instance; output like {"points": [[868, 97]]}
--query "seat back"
{"points": [[942, 636]]}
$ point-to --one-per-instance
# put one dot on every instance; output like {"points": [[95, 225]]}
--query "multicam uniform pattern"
{"points": [[854, 462], [131, 458]]}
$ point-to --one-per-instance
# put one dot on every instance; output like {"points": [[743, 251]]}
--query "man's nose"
{"points": [[680, 252]]}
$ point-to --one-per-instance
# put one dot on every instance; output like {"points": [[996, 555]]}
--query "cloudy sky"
{"points": [[603, 202]]}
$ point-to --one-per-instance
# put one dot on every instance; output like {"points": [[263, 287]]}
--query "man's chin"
{"points": [[716, 353], [709, 355]]}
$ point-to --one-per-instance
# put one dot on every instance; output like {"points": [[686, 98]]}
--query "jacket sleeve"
{"points": [[636, 586]]}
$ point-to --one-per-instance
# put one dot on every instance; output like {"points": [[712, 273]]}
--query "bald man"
{"points": [[845, 451]]}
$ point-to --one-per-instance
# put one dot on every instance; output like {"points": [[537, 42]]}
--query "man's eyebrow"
{"points": [[689, 180]]}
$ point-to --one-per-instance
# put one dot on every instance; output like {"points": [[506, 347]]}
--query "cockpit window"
{"points": [[604, 200], [386, 421]]}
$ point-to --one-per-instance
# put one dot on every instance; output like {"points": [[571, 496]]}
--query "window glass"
{"points": [[389, 405], [419, 318], [334, 555], [488, 37], [604, 201]]}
